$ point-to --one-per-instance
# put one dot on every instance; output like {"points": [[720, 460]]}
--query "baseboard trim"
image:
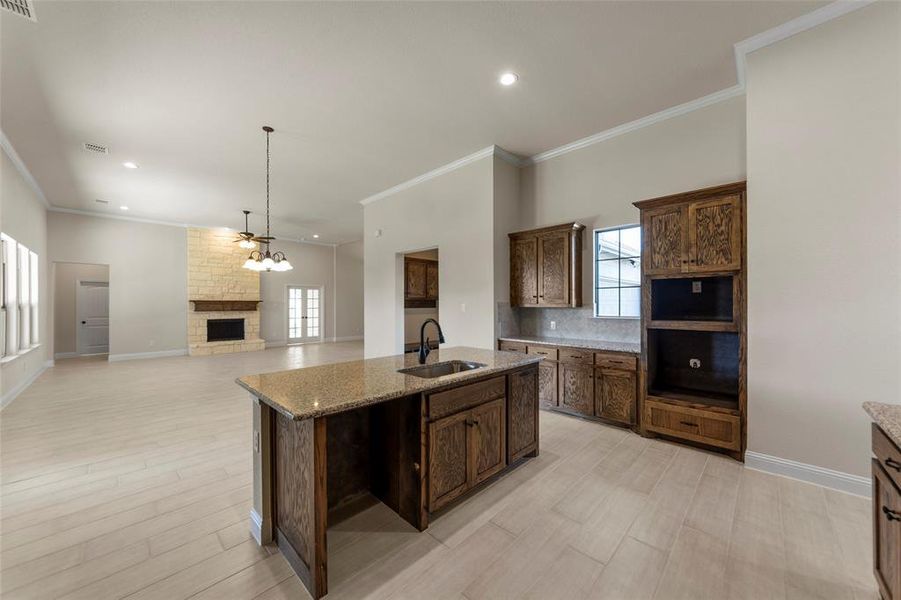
{"points": [[12, 394], [59, 355], [836, 480], [142, 355], [350, 338], [256, 526], [276, 343]]}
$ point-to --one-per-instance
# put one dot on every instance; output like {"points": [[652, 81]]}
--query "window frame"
{"points": [[20, 306], [594, 279]]}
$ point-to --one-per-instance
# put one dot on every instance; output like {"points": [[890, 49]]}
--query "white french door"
{"points": [[304, 314]]}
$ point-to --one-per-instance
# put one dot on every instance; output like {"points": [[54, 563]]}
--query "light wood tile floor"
{"points": [[133, 480]]}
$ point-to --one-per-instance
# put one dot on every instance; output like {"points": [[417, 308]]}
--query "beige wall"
{"points": [[508, 217], [148, 277], [823, 238], [597, 185], [314, 264], [349, 291], [24, 218], [453, 212], [65, 280]]}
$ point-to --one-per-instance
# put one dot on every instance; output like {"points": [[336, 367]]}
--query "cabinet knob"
{"points": [[890, 514], [894, 464]]}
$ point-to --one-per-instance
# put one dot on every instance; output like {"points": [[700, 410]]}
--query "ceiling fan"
{"points": [[246, 238]]}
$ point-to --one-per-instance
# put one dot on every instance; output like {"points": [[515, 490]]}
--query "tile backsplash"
{"points": [[571, 323]]}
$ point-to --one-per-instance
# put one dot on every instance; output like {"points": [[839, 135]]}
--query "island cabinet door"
{"points": [[449, 472], [488, 438], [886, 534], [576, 388], [522, 413]]}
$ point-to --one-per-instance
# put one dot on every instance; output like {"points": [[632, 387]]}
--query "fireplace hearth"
{"points": [[220, 330]]}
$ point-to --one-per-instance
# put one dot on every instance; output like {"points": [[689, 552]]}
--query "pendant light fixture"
{"points": [[267, 261]]}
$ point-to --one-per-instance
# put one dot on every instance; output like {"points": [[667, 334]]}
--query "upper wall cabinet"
{"points": [[546, 266], [420, 283], [698, 232]]}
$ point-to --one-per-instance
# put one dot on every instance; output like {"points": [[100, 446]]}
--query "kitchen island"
{"points": [[416, 438]]}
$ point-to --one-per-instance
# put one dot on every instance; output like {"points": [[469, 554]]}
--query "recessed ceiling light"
{"points": [[316, 235], [130, 165], [508, 78], [124, 207]]}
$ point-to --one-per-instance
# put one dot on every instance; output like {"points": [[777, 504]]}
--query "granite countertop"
{"points": [[887, 416], [632, 347], [334, 388]]}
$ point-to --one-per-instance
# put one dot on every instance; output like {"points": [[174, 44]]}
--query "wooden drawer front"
{"points": [[461, 398], [697, 425], [888, 454], [549, 352], [513, 346], [573, 356], [611, 360]]}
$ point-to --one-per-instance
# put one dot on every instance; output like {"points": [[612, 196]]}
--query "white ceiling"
{"points": [[363, 96]]}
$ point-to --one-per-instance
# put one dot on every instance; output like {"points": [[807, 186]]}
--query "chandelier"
{"points": [[265, 260]]}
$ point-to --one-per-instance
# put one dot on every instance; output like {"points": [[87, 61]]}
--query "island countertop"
{"points": [[887, 416], [333, 388]]}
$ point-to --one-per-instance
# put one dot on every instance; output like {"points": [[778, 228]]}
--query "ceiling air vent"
{"points": [[23, 8], [88, 146]]}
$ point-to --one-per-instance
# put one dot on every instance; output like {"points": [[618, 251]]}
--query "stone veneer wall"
{"points": [[215, 272]]}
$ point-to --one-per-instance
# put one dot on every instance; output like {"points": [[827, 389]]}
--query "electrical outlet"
{"points": [[695, 287], [553, 325], [256, 442], [694, 363]]}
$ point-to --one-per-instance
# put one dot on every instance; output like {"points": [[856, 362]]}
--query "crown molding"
{"points": [[22, 169], [100, 215], [442, 170]]}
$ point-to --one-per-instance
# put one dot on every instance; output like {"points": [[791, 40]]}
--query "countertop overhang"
{"points": [[887, 416], [329, 389]]}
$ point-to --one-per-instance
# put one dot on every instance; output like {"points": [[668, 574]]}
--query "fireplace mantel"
{"points": [[225, 305]]}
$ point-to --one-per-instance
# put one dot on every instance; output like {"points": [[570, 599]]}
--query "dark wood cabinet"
{"points": [[697, 232], [615, 395], [524, 271], [420, 283], [694, 351], [665, 240], [546, 266], [576, 388], [886, 533], [449, 443], [547, 384], [886, 466], [714, 234], [469, 430], [488, 428], [522, 413]]}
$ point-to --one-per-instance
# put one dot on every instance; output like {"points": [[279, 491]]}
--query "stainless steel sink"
{"points": [[440, 369]]}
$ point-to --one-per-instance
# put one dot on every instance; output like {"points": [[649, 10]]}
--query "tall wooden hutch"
{"points": [[693, 315]]}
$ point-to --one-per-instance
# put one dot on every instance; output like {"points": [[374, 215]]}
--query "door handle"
{"points": [[84, 322], [890, 514], [894, 464]]}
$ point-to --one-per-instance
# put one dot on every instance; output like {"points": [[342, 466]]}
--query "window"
{"points": [[617, 271], [19, 313]]}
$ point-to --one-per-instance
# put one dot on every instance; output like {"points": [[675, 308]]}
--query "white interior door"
{"points": [[92, 317], [304, 314]]}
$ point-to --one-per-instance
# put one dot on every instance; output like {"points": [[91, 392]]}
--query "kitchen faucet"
{"points": [[424, 345]]}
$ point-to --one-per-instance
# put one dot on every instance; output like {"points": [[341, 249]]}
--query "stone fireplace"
{"points": [[221, 294]]}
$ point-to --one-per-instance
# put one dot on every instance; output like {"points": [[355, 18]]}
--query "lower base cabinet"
{"points": [[615, 394], [704, 426], [886, 514], [465, 449], [576, 388], [547, 384]]}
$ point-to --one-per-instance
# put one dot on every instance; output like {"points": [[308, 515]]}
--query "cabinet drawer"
{"points": [[512, 346], [461, 398], [888, 454], [577, 357], [698, 425], [611, 360], [549, 352]]}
